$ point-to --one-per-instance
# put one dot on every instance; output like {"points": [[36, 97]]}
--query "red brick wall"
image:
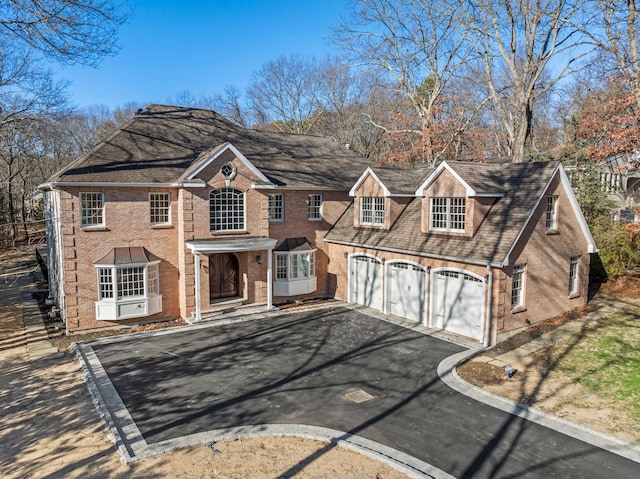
{"points": [[546, 256], [127, 223]]}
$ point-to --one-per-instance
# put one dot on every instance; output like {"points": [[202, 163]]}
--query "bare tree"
{"points": [[68, 31], [283, 94], [415, 43], [613, 27], [518, 43]]}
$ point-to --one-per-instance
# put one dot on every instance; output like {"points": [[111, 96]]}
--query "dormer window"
{"points": [[372, 211], [447, 214]]}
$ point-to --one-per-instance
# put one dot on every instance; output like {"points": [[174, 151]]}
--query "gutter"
{"points": [[57, 184]]}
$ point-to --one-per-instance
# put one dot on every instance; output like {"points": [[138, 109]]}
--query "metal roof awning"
{"points": [[294, 245], [127, 255]]}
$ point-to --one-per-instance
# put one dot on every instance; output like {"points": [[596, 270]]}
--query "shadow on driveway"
{"points": [[296, 369]]}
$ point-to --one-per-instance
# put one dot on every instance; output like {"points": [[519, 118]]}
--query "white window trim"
{"points": [[126, 307], [551, 214], [319, 207], [522, 270], [292, 286], [574, 275], [276, 220], [375, 201], [92, 225], [244, 212], [160, 223], [447, 214]]}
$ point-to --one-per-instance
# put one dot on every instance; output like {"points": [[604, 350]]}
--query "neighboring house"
{"points": [[181, 213], [620, 178]]}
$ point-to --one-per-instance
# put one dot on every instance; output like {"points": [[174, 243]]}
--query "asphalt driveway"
{"points": [[298, 368]]}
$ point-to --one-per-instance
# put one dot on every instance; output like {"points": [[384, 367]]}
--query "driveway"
{"points": [[298, 370]]}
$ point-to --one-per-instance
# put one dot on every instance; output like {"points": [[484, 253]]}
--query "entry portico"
{"points": [[211, 246]]}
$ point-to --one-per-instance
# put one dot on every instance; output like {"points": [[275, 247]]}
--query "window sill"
{"points": [[574, 295], [519, 309], [164, 226], [229, 232], [314, 219], [276, 221], [94, 228], [552, 232]]}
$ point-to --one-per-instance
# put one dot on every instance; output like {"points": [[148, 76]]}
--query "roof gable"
{"points": [[475, 179], [210, 156], [363, 177]]}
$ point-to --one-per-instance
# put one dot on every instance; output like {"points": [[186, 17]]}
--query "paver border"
{"points": [[447, 371]]}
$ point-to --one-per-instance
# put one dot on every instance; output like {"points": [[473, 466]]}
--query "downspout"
{"points": [[487, 322]]}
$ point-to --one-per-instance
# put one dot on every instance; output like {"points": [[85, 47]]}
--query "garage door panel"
{"points": [[366, 285], [459, 303], [406, 290]]}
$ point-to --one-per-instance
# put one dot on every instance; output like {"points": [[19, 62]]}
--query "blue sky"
{"points": [[168, 47]]}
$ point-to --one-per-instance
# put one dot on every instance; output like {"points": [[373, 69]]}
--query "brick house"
{"points": [[180, 213]]}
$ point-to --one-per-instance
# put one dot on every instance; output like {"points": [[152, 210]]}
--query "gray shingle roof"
{"points": [[161, 142], [402, 180], [522, 184]]}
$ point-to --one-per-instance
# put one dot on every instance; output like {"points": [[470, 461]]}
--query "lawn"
{"points": [[606, 359]]}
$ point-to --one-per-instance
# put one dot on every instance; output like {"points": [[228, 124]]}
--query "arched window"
{"points": [[226, 210]]}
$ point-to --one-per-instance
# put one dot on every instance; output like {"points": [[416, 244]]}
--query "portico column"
{"points": [[196, 265], [269, 275]]}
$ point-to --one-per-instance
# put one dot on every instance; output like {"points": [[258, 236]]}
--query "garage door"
{"points": [[366, 281], [406, 290], [458, 303]]}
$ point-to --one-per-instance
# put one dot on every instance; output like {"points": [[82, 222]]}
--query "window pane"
{"points": [[551, 212], [372, 211], [91, 206], [517, 286], [573, 274], [315, 203], [105, 283], [152, 280], [159, 207], [226, 210], [281, 266], [130, 282], [276, 207]]}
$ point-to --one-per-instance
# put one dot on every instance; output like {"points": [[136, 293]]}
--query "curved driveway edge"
{"points": [[449, 375]]}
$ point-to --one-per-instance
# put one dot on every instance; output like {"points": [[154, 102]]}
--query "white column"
{"points": [[196, 265], [269, 276]]}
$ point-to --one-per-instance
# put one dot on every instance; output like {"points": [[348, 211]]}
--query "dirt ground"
{"points": [[538, 383], [49, 427]]}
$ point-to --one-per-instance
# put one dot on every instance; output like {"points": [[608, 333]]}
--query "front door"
{"points": [[223, 276]]}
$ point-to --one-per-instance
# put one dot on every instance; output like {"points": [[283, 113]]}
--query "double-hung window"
{"points": [[91, 209], [551, 223], [128, 284], [447, 214], [372, 211], [315, 207], [276, 207], [159, 204], [226, 210], [574, 274], [517, 286]]}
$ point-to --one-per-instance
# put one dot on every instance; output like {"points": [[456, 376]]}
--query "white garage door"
{"points": [[458, 304], [406, 290], [366, 281]]}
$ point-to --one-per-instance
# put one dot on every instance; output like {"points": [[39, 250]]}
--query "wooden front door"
{"points": [[223, 276]]}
